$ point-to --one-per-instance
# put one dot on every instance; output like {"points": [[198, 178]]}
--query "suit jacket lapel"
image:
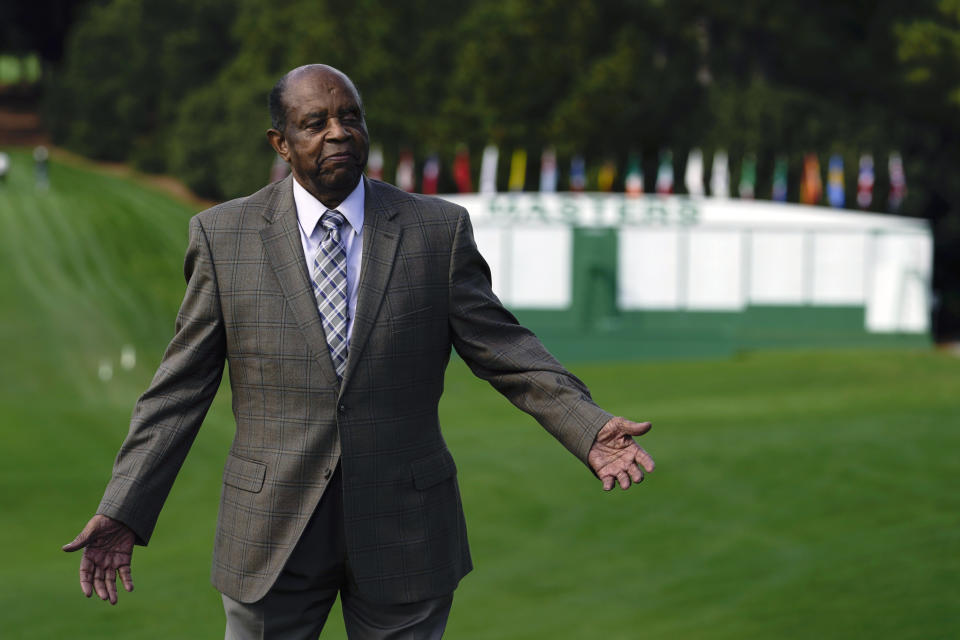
{"points": [[380, 240], [281, 242]]}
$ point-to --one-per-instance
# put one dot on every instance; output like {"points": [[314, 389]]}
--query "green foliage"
{"points": [[129, 64], [639, 90], [929, 51], [513, 61], [19, 69], [930, 48], [167, 84], [205, 150]]}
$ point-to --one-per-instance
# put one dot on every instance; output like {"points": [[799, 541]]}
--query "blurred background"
{"points": [[806, 438]]}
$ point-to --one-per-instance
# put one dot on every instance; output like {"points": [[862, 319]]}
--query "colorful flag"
{"points": [[607, 174], [431, 175], [664, 184], [375, 163], [780, 173], [693, 176], [634, 179], [461, 170], [898, 182], [488, 169], [865, 181], [748, 177], [578, 173], [405, 177], [720, 175], [518, 170], [548, 170], [835, 195], [811, 185]]}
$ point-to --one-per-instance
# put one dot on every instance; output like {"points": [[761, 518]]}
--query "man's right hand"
{"points": [[107, 549]]}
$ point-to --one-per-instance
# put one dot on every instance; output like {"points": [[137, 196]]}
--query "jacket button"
{"points": [[326, 473], [342, 408]]}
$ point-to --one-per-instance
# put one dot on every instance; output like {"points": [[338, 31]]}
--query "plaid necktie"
{"points": [[330, 288]]}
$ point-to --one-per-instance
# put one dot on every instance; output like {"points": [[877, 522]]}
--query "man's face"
{"points": [[326, 140]]}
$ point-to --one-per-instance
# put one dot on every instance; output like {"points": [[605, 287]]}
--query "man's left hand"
{"points": [[616, 458]]}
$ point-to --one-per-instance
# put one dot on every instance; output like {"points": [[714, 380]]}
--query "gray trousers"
{"points": [[297, 605]]}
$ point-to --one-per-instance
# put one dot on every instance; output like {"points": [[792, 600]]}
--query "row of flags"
{"points": [[811, 188], [811, 184]]}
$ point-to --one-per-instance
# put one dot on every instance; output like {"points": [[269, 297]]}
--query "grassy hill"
{"points": [[798, 494]]}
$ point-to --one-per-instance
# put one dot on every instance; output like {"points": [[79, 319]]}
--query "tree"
{"points": [[129, 64], [929, 50]]}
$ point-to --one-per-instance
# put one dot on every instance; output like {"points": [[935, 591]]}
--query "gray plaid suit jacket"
{"points": [[424, 288]]}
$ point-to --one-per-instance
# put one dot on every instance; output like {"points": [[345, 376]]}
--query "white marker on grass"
{"points": [[128, 357], [105, 372]]}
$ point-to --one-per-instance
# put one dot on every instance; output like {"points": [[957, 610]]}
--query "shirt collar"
{"points": [[310, 210]]}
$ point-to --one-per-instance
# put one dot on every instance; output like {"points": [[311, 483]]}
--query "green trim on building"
{"points": [[631, 335], [594, 276]]}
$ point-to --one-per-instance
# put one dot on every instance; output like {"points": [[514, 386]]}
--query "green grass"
{"points": [[798, 494]]}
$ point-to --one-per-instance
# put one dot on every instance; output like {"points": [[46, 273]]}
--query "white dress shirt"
{"points": [[309, 212]]}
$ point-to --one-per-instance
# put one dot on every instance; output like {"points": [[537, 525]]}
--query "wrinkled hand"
{"points": [[616, 458], [107, 549]]}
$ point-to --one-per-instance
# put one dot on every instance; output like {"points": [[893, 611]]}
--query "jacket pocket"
{"points": [[433, 469], [244, 474]]}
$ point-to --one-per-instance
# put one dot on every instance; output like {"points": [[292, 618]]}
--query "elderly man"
{"points": [[335, 300]]}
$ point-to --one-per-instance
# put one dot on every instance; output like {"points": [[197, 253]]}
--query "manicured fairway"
{"points": [[798, 494]]}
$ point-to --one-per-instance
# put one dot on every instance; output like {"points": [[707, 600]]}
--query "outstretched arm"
{"points": [[510, 357], [168, 415], [164, 424], [513, 360], [107, 549], [616, 458]]}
